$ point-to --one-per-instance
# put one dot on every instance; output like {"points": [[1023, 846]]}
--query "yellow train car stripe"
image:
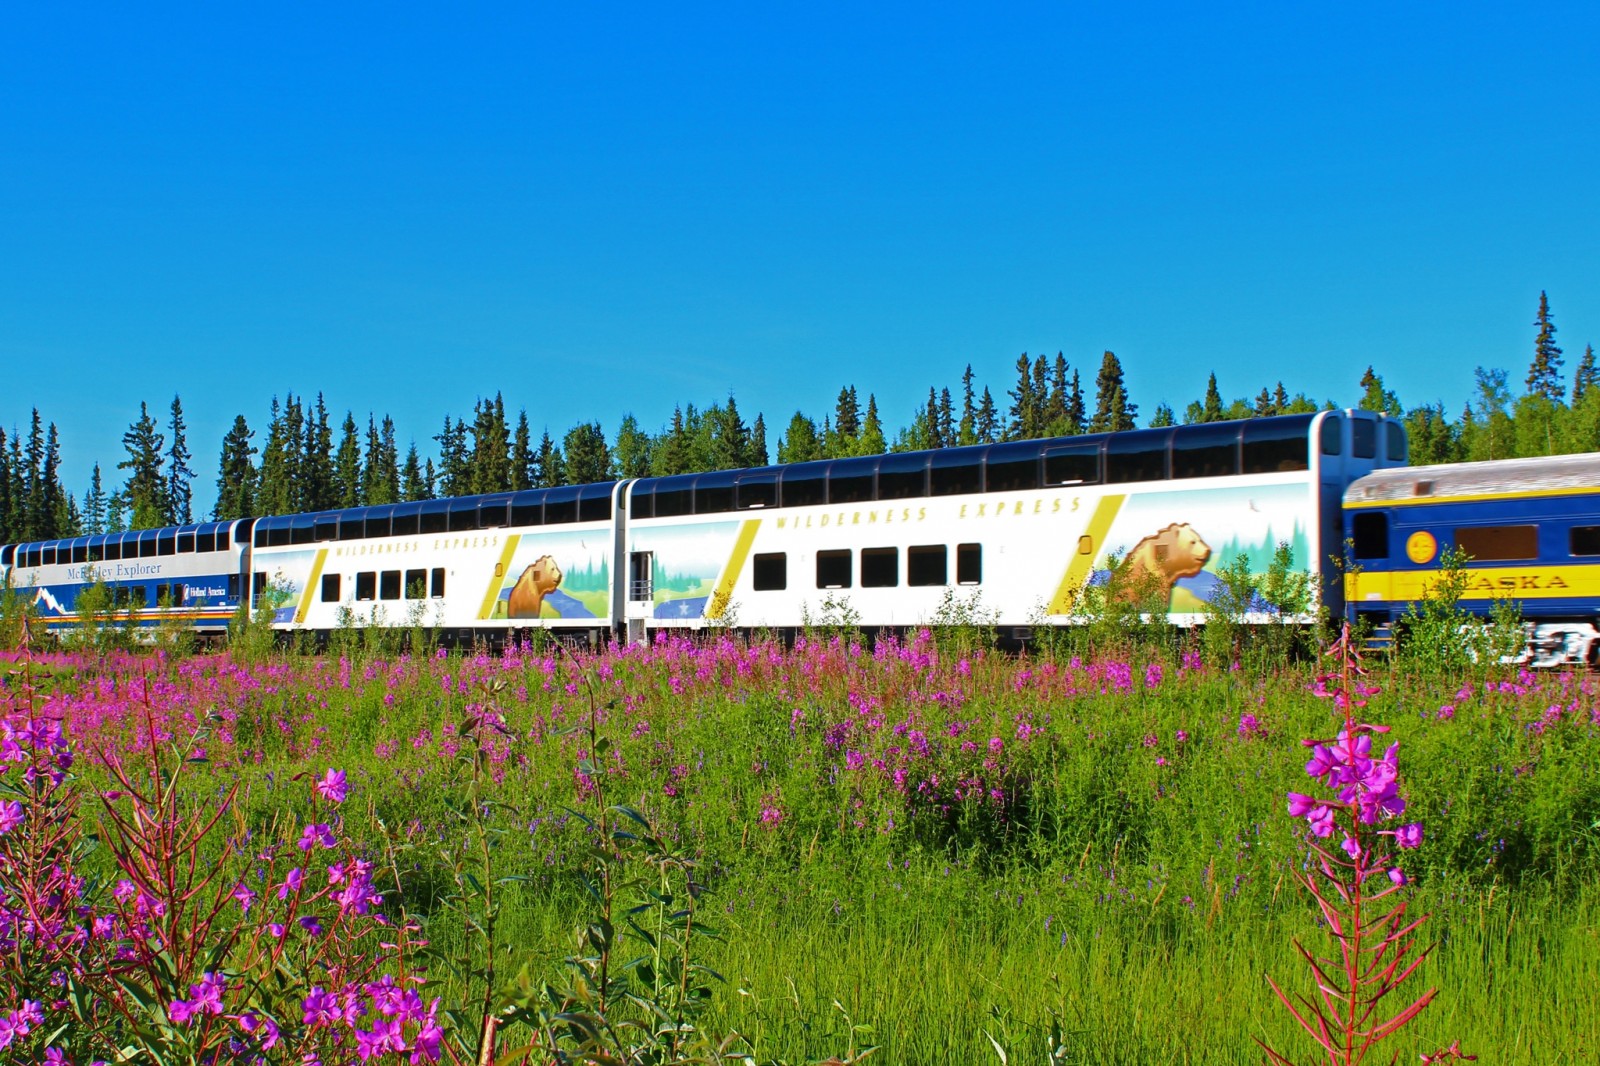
{"points": [[1483, 583], [1478, 497], [311, 584], [497, 582], [723, 594], [1105, 512]]}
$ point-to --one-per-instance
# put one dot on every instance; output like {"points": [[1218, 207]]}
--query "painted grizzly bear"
{"points": [[536, 582], [1158, 561]]}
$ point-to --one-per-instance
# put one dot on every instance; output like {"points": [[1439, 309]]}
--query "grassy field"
{"points": [[959, 853]]}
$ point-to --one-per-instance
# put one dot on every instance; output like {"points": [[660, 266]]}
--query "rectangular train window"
{"points": [[1011, 467], [1073, 464], [185, 543], [1584, 540], [436, 589], [1205, 451], [1499, 543], [1332, 435], [1138, 455], [956, 473], [367, 585], [853, 480], [222, 540], [205, 542], [1397, 442], [880, 568], [770, 572], [330, 588], [167, 544], [162, 597], [1363, 438], [1277, 445], [833, 569], [926, 564], [804, 485], [1369, 532], [389, 585], [258, 584], [969, 564], [416, 584]]}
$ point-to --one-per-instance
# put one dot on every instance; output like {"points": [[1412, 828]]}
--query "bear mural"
{"points": [[537, 581], [1159, 561]]}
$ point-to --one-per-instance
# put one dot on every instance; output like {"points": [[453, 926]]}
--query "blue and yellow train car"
{"points": [[1529, 530]]}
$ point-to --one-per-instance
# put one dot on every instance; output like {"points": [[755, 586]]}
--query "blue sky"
{"points": [[598, 209]]}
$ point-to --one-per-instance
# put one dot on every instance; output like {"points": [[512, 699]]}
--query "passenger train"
{"points": [[1016, 531]]}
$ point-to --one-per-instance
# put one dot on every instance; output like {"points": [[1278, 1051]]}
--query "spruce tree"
{"points": [[801, 442], [236, 474], [986, 422], [588, 459], [491, 447], [947, 418], [1112, 411], [31, 507], [1544, 373], [670, 453], [522, 454], [1586, 377], [1211, 406], [454, 470], [318, 488], [1023, 417], [730, 444], [930, 432], [55, 503], [1055, 408], [146, 488], [1264, 406], [95, 504], [847, 414], [549, 469], [180, 491], [1076, 415], [967, 431], [413, 481], [272, 487], [349, 483], [630, 455], [381, 467], [870, 441], [1374, 397], [6, 536], [1163, 417], [756, 455]]}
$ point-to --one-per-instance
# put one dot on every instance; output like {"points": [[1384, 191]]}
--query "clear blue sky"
{"points": [[599, 208]]}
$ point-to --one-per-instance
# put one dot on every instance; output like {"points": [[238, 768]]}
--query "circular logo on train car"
{"points": [[1421, 547]]}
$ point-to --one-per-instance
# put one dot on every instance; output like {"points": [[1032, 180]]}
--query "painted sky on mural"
{"points": [[602, 208]]}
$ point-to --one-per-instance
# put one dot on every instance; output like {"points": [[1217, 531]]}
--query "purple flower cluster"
{"points": [[398, 1011], [1363, 786]]}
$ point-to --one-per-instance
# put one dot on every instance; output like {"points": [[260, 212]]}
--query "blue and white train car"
{"points": [[1016, 530], [192, 574], [1529, 530]]}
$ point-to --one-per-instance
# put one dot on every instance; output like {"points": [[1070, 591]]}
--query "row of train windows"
{"points": [[147, 545], [1140, 455], [926, 565], [387, 585], [132, 597], [1486, 544], [588, 503]]}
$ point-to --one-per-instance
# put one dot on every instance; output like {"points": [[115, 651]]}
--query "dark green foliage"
{"points": [[588, 458], [146, 488], [1112, 410], [1544, 373]]}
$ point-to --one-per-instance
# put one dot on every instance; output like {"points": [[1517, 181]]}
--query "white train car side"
{"points": [[1017, 530]]}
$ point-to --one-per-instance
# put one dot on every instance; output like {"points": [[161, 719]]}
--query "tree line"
{"points": [[304, 464]]}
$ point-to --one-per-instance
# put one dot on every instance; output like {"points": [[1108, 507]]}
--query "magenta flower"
{"points": [[331, 787], [1409, 835], [10, 815]]}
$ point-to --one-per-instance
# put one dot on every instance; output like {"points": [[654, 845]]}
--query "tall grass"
{"points": [[1068, 861]]}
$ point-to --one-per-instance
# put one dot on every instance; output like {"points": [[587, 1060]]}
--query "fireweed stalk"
{"points": [[1360, 802], [293, 963]]}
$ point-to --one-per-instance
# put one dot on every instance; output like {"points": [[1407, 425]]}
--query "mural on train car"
{"points": [[289, 583], [554, 575], [1180, 539], [685, 563]]}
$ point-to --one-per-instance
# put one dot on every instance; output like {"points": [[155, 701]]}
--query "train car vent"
{"points": [[1422, 488]]}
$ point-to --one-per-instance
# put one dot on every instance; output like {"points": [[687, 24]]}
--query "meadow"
{"points": [[953, 855]]}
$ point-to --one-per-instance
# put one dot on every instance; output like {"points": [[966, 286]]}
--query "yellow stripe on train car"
{"points": [[1482, 583]]}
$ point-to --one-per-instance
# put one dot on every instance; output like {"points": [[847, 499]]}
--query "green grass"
{"points": [[1080, 886]]}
